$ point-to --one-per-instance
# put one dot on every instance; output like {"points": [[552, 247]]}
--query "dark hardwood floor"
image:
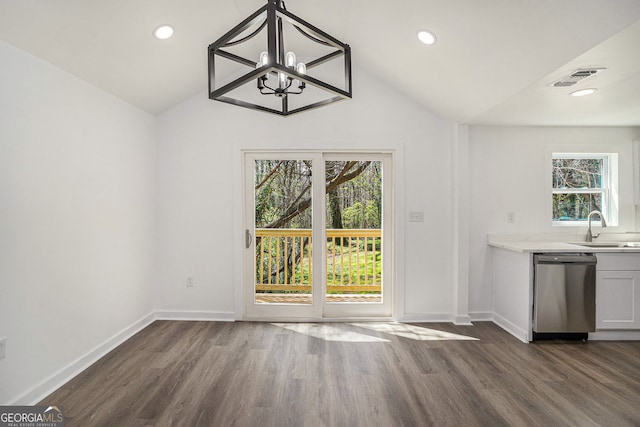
{"points": [[339, 374]]}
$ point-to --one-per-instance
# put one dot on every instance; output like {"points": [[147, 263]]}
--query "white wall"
{"points": [[508, 174], [77, 220], [200, 228]]}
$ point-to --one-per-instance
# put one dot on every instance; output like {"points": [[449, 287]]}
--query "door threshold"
{"points": [[318, 320]]}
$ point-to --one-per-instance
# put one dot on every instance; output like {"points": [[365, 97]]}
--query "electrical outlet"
{"points": [[190, 282], [511, 217], [416, 216], [3, 347]]}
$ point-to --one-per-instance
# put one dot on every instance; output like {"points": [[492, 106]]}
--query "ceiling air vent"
{"points": [[578, 75]]}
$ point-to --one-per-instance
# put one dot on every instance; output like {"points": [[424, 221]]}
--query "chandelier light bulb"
{"points": [[302, 69], [290, 60], [264, 58]]}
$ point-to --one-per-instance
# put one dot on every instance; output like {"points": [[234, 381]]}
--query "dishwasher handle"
{"points": [[564, 259]]}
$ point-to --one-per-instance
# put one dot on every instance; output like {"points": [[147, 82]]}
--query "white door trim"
{"points": [[320, 309], [395, 146]]}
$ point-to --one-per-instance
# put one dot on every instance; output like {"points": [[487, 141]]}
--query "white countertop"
{"points": [[530, 245]]}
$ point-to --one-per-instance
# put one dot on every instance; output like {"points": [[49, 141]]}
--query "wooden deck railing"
{"points": [[284, 260]]}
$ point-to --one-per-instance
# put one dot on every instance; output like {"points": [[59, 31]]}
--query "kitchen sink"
{"points": [[610, 244]]}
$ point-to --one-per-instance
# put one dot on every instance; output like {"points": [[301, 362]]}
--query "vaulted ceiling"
{"points": [[494, 62]]}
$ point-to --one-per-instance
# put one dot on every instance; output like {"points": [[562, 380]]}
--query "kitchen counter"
{"points": [[617, 305], [532, 246]]}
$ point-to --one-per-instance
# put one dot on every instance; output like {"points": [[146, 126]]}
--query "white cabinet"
{"points": [[618, 300], [618, 291]]}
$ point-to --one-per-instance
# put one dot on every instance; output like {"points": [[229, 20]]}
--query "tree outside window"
{"points": [[580, 185]]}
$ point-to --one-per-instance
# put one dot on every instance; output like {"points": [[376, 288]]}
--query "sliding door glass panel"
{"points": [[283, 232], [353, 249]]}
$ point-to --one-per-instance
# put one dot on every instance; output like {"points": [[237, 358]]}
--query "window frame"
{"points": [[608, 189]]}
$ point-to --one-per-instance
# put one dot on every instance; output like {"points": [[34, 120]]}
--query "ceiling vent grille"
{"points": [[578, 75]]}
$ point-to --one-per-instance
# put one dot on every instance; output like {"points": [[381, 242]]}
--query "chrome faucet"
{"points": [[590, 236]]}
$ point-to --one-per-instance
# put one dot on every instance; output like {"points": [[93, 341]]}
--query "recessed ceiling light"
{"points": [[426, 37], [583, 92], [163, 31]]}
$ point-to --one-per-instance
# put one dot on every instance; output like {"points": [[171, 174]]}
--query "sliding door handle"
{"points": [[247, 238]]}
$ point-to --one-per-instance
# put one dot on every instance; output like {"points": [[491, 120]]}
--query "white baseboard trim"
{"points": [[215, 316], [462, 321], [426, 318], [481, 316], [41, 390], [514, 330], [614, 335]]}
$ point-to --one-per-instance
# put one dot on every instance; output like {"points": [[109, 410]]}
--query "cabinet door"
{"points": [[618, 300]]}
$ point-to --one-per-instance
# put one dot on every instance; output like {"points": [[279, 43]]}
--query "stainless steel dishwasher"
{"points": [[564, 296]]}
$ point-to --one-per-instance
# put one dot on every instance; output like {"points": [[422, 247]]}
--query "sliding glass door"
{"points": [[317, 235]]}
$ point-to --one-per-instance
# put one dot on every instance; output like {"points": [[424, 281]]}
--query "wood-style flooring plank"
{"points": [[176, 373]]}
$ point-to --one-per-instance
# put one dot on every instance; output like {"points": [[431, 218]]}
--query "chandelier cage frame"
{"points": [[275, 13]]}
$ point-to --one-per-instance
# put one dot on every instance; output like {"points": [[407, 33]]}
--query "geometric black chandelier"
{"points": [[274, 61]]}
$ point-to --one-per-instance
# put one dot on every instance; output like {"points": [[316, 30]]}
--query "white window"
{"points": [[581, 183]]}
